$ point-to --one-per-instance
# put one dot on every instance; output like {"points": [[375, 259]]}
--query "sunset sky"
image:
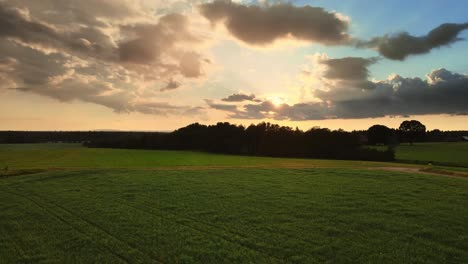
{"points": [[160, 65]]}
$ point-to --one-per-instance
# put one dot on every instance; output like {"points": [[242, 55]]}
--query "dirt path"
{"points": [[423, 171], [412, 169], [409, 169]]}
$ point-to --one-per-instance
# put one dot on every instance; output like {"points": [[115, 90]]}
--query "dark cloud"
{"points": [[15, 24], [344, 78], [147, 42], [350, 96], [401, 45], [409, 96], [296, 112], [224, 107], [239, 97], [48, 75], [93, 13], [262, 25], [37, 73], [171, 85], [349, 68], [162, 46], [438, 94], [21, 26], [443, 92], [164, 109], [29, 67], [159, 45], [105, 52], [116, 54]]}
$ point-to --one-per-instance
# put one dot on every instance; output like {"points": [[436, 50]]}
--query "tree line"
{"points": [[263, 139], [409, 131]]}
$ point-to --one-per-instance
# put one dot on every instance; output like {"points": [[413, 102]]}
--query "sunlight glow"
{"points": [[276, 101]]}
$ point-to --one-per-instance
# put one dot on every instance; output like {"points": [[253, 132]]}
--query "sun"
{"points": [[277, 101]]}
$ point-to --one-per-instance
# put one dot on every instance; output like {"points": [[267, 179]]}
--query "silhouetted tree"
{"points": [[263, 139], [412, 130], [379, 134]]}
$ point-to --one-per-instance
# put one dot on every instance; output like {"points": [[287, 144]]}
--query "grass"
{"points": [[234, 215], [460, 172], [113, 206], [455, 153], [439, 153], [43, 156]]}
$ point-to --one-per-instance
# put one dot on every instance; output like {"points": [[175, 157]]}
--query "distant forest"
{"points": [[263, 139]]}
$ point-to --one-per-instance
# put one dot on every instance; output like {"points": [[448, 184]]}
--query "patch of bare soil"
{"points": [[425, 171]]}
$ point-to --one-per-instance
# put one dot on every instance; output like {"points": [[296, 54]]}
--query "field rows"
{"points": [[248, 215], [74, 156], [65, 203]]}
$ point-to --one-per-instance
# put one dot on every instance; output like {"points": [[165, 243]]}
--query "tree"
{"points": [[379, 134], [412, 130]]}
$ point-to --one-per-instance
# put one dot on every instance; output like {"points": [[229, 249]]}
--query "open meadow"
{"points": [[74, 156], [450, 155], [73, 204], [233, 131], [447, 153]]}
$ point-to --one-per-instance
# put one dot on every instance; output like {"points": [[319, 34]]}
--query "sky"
{"points": [[154, 65]]}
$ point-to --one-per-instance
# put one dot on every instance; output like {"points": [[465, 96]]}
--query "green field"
{"points": [[112, 206], [46, 156], [455, 153], [443, 153]]}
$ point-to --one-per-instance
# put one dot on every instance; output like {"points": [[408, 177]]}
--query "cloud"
{"points": [[337, 79], [163, 108], [171, 85], [163, 46], [83, 11], [21, 26], [191, 64], [267, 109], [110, 53], [402, 45], [218, 106], [263, 25], [442, 92], [239, 97], [353, 96], [349, 68], [121, 53], [63, 78], [408, 96]]}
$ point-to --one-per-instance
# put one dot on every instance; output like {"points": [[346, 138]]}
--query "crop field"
{"points": [[117, 206], [455, 153], [46, 156], [443, 153]]}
